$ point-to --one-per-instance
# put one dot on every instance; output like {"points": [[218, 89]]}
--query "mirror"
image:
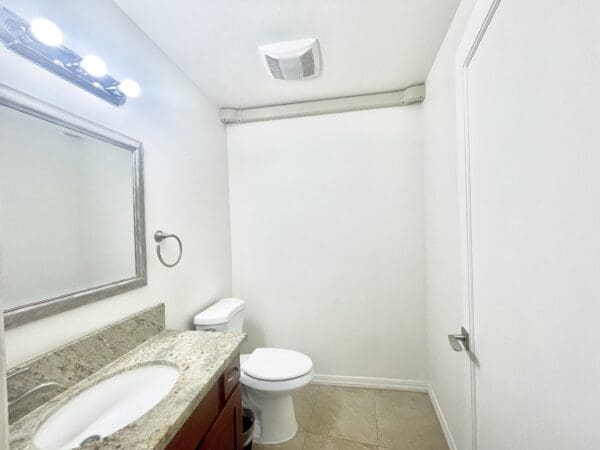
{"points": [[71, 210]]}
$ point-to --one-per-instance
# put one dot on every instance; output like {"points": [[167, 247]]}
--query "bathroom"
{"points": [[299, 225]]}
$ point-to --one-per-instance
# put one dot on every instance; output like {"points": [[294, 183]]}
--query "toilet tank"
{"points": [[225, 315]]}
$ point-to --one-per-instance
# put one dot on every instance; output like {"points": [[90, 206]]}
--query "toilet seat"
{"points": [[275, 386], [276, 364], [275, 369]]}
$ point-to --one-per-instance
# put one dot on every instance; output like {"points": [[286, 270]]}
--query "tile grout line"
{"points": [[312, 410], [409, 400], [376, 421], [337, 438], [353, 442], [304, 440]]}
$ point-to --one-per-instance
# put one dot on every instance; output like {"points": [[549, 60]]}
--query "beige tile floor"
{"points": [[334, 418]]}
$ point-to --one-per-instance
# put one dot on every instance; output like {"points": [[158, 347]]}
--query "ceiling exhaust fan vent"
{"points": [[292, 60]]}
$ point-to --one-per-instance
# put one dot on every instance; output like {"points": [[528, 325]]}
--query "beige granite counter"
{"points": [[71, 363], [201, 358]]}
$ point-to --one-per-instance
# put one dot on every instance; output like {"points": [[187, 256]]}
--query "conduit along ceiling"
{"points": [[367, 46]]}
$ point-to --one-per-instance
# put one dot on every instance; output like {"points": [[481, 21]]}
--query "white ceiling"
{"points": [[367, 45]]}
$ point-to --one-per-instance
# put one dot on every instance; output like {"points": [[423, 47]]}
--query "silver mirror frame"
{"points": [[20, 315]]}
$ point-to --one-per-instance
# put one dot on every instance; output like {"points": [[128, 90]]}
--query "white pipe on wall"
{"points": [[414, 94]]}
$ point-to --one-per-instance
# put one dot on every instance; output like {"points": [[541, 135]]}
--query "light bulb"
{"points": [[129, 87], [46, 32], [94, 65]]}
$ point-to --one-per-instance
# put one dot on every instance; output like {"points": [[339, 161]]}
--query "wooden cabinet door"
{"points": [[198, 424], [226, 432]]}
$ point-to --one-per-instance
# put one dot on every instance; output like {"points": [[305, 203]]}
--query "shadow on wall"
{"points": [[256, 336]]}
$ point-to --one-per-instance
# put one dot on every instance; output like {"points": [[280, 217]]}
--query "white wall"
{"points": [[186, 168], [442, 268], [327, 239]]}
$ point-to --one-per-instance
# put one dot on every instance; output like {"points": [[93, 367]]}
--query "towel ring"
{"points": [[160, 236]]}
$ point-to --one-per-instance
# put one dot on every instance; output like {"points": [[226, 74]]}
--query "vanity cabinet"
{"points": [[216, 423], [226, 432]]}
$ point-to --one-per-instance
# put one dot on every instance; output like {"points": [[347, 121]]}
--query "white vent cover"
{"points": [[292, 60]]}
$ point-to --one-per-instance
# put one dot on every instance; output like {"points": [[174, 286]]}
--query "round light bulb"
{"points": [[94, 65], [129, 87], [46, 32]]}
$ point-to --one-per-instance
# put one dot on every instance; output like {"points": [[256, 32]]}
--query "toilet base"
{"points": [[275, 416]]}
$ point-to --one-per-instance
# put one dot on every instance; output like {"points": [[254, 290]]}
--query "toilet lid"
{"points": [[276, 364]]}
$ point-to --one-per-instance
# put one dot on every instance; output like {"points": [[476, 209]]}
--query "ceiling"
{"points": [[367, 45]]}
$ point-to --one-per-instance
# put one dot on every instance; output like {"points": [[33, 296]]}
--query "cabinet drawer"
{"points": [[231, 377]]}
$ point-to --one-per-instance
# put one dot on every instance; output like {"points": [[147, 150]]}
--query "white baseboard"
{"points": [[441, 418], [371, 383]]}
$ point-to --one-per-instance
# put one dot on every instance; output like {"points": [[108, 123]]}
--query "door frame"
{"points": [[3, 380], [3, 391], [477, 25]]}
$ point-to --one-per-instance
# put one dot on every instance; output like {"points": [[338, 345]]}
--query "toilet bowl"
{"points": [[269, 376]]}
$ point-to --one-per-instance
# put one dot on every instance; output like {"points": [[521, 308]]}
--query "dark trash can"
{"points": [[248, 428]]}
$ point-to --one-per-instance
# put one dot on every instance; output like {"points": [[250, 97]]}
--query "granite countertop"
{"points": [[201, 358]]}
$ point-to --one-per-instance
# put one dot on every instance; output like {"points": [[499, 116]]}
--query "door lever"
{"points": [[458, 341]]}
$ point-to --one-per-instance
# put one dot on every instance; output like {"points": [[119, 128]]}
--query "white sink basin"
{"points": [[106, 407]]}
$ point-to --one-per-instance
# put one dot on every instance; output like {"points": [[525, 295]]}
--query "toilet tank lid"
{"points": [[220, 312]]}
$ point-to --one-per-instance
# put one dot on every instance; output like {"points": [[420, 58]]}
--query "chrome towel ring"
{"points": [[160, 236]]}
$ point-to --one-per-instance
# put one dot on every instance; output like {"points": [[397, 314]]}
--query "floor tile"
{"points": [[296, 443], [345, 413], [304, 403], [314, 442], [407, 421]]}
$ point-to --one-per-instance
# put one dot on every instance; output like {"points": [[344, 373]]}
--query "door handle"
{"points": [[459, 341]]}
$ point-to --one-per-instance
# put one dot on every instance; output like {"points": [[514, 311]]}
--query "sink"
{"points": [[106, 407]]}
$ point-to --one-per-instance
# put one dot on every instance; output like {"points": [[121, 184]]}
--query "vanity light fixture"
{"points": [[46, 32], [130, 88], [94, 65], [41, 41]]}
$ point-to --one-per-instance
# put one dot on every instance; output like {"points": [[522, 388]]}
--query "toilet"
{"points": [[269, 376]]}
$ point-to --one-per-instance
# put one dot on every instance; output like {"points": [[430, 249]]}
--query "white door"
{"points": [[529, 115]]}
